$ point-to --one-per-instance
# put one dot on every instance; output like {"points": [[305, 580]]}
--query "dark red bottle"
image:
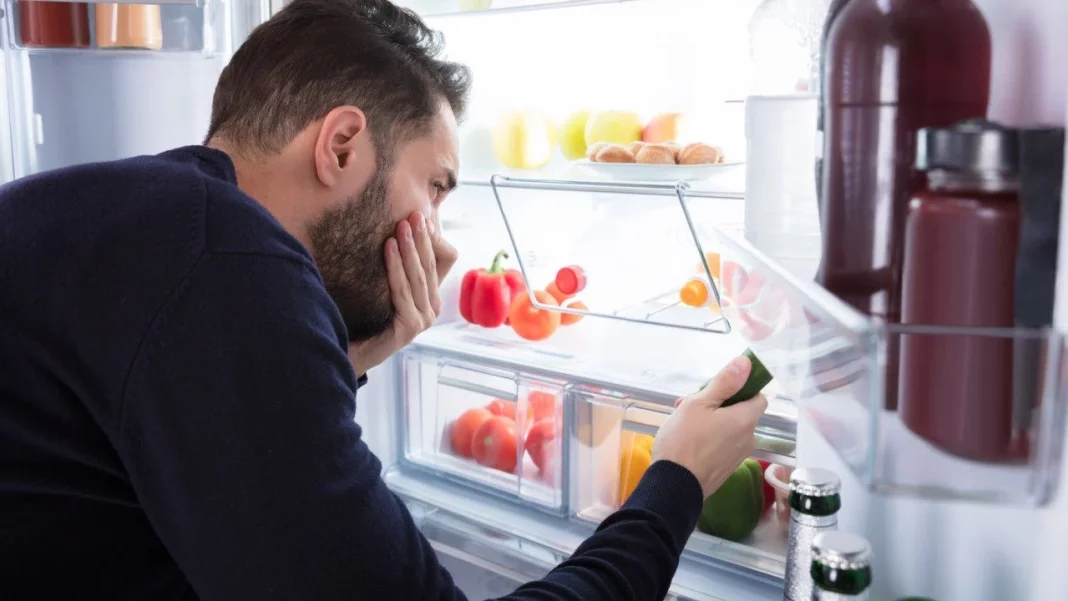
{"points": [[961, 238], [891, 67], [54, 24]]}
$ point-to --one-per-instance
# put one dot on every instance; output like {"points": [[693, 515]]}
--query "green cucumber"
{"points": [[759, 377]]}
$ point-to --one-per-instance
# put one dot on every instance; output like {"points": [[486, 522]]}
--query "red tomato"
{"points": [[530, 322], [542, 404], [567, 319], [494, 444], [541, 442], [463, 429], [502, 408]]}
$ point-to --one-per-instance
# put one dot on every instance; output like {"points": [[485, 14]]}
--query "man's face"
{"points": [[348, 241]]}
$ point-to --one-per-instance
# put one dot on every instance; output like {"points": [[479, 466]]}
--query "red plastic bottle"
{"points": [[961, 238], [891, 67]]}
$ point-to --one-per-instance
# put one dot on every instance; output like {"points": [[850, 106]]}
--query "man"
{"points": [[176, 332]]}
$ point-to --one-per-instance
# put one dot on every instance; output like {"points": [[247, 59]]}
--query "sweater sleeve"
{"points": [[237, 431]]}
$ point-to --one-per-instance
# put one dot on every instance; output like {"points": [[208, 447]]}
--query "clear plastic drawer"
{"points": [[612, 437], [497, 430]]}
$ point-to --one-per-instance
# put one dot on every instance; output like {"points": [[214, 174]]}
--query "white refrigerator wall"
{"points": [[647, 56]]}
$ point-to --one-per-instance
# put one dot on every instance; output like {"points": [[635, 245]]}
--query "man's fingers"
{"points": [[421, 229], [445, 254], [413, 268], [728, 381], [748, 412], [399, 289]]}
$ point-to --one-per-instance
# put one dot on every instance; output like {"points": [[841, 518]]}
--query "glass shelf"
{"points": [[437, 8], [726, 183], [833, 361], [639, 244]]}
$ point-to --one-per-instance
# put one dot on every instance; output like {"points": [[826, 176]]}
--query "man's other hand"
{"points": [[709, 440]]}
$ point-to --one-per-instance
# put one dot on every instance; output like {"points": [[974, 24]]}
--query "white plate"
{"points": [[643, 172]]}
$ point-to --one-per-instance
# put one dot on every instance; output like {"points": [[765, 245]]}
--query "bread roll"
{"points": [[655, 154], [675, 148], [614, 153], [634, 147], [699, 154], [593, 149]]}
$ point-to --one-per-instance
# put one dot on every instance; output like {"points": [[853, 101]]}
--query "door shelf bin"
{"points": [[125, 28], [608, 432], [843, 370], [639, 244], [437, 391]]}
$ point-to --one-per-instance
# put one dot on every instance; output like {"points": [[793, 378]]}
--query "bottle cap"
{"points": [[975, 146], [815, 482], [841, 551]]}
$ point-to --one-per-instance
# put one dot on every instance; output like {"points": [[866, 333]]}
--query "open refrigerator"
{"points": [[939, 526]]}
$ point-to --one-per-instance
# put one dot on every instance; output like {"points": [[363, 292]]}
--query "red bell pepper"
{"points": [[486, 294]]}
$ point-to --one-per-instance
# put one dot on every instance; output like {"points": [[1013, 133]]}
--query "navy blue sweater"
{"points": [[177, 412]]}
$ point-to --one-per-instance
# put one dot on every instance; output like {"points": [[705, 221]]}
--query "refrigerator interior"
{"points": [[932, 519], [937, 525]]}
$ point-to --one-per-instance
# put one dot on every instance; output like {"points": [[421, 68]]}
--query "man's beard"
{"points": [[348, 244]]}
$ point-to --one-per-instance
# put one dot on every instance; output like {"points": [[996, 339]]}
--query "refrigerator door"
{"points": [[127, 80]]}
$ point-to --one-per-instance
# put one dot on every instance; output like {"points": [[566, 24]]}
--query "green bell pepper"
{"points": [[734, 510]]}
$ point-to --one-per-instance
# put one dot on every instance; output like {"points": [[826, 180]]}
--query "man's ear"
{"points": [[339, 146]]}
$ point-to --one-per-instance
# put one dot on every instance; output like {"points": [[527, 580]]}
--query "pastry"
{"points": [[634, 147], [593, 149], [655, 154], [675, 148], [699, 154], [614, 153]]}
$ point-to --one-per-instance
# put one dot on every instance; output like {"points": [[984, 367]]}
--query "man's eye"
{"points": [[440, 188]]}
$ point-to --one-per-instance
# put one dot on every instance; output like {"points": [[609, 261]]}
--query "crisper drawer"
{"points": [[498, 431], [612, 437]]}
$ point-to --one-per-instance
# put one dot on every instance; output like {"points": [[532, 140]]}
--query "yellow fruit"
{"points": [[614, 127], [633, 461], [634, 439], [524, 140], [475, 4], [573, 135]]}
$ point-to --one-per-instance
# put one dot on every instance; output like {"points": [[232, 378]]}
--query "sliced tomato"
{"points": [[542, 404], [541, 442], [502, 408]]}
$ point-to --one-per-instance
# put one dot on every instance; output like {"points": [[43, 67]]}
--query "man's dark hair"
{"points": [[316, 55]]}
